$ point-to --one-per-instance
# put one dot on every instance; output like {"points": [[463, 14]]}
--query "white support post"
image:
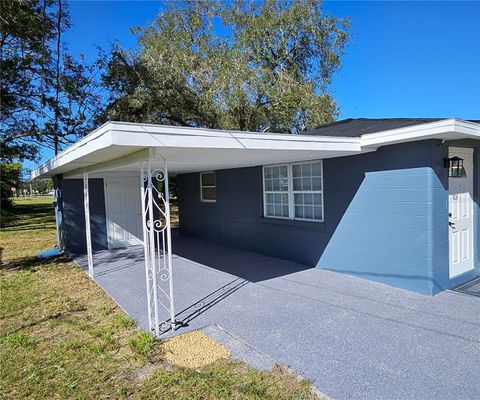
{"points": [[169, 245], [86, 205], [146, 239]]}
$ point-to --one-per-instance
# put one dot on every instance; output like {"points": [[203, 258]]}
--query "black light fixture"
{"points": [[455, 167]]}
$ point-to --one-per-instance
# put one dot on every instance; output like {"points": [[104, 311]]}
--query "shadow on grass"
{"points": [[28, 217], [30, 263], [31, 227]]}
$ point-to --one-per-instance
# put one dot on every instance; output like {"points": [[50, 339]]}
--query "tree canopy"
{"points": [[244, 65], [47, 97]]}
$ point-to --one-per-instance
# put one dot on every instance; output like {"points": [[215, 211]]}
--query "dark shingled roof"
{"points": [[355, 127]]}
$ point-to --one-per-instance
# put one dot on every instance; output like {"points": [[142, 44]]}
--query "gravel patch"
{"points": [[193, 350]]}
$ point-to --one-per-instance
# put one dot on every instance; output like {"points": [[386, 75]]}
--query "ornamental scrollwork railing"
{"points": [[157, 248]]}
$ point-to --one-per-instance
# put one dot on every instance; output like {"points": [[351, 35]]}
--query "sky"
{"points": [[405, 59]]}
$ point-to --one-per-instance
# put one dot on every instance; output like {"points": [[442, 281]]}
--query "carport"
{"points": [[135, 162]]}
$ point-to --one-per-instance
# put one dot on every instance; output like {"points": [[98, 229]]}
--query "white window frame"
{"points": [[291, 192], [207, 187], [288, 192]]}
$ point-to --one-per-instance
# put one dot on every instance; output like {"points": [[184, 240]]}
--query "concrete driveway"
{"points": [[353, 338]]}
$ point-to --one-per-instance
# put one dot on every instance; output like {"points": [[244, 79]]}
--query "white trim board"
{"points": [[117, 144], [448, 129]]}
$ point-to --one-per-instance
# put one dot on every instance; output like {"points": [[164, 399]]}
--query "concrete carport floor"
{"points": [[355, 339]]}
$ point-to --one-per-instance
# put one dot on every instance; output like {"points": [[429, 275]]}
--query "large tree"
{"points": [[244, 65], [46, 95]]}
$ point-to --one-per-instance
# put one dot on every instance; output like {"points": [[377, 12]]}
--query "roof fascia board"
{"points": [[467, 128], [419, 132], [98, 139], [95, 134], [141, 155], [182, 130], [128, 138], [141, 135], [158, 136]]}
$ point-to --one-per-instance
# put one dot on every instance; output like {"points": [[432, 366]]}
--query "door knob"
{"points": [[452, 224]]}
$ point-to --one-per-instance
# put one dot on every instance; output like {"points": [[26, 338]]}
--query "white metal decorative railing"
{"points": [[157, 248]]}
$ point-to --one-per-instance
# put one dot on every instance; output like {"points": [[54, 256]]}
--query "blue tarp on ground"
{"points": [[49, 253]]}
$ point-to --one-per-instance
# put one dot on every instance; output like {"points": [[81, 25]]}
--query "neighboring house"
{"points": [[390, 200]]}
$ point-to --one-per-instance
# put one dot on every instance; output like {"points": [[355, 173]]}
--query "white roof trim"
{"points": [[116, 140], [166, 136], [130, 127], [428, 130]]}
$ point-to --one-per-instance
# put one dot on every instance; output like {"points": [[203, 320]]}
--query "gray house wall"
{"points": [[73, 226], [386, 217]]}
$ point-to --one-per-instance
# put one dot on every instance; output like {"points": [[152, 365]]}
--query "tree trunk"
{"points": [[57, 78]]}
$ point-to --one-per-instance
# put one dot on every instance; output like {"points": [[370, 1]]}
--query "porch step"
{"points": [[472, 288]]}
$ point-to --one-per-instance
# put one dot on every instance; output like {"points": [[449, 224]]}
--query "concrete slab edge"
{"points": [[239, 349], [245, 352]]}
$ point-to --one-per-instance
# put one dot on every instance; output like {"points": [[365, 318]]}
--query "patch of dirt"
{"points": [[142, 373], [193, 350]]}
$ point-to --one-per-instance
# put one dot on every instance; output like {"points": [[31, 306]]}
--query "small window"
{"points": [[208, 187]]}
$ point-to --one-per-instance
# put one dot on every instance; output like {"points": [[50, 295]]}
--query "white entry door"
{"points": [[124, 220], [460, 208]]}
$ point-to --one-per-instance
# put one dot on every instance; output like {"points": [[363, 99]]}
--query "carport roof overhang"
{"points": [[120, 146]]}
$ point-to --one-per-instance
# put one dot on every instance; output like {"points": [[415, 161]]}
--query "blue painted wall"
{"points": [[386, 217], [74, 217], [388, 232]]}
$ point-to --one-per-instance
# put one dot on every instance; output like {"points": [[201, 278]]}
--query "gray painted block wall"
{"points": [[386, 217], [74, 217]]}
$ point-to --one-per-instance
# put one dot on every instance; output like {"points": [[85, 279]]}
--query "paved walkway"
{"points": [[353, 338]]}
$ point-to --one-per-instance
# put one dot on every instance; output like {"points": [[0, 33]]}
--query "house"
{"points": [[390, 200]]}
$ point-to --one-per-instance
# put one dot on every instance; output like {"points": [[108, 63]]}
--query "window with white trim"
{"points": [[276, 191], [294, 191], [208, 187]]}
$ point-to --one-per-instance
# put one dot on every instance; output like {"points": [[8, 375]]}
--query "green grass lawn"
{"points": [[61, 336]]}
